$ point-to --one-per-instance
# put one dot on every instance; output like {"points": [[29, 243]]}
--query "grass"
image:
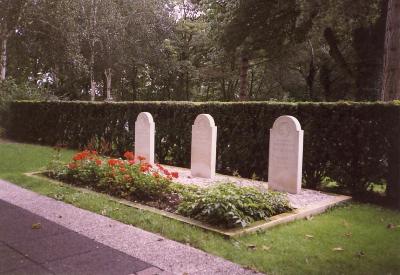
{"points": [[367, 245]]}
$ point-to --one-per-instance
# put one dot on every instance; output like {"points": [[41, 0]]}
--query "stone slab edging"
{"points": [[297, 214], [171, 256]]}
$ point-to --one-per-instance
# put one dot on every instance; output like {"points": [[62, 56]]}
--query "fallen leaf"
{"points": [[104, 212], [266, 248], [360, 254], [309, 218], [60, 217], [348, 234], [338, 249], [236, 244], [392, 226], [160, 240], [252, 246], [309, 236], [36, 226]]}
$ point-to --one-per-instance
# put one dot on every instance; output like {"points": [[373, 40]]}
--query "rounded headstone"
{"points": [[286, 155]]}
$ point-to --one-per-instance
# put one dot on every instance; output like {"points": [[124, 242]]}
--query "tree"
{"points": [[11, 15], [391, 71]]}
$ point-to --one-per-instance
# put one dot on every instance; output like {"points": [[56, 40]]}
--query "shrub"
{"points": [[230, 206], [354, 144]]}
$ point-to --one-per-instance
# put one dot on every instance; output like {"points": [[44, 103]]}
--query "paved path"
{"points": [[30, 244], [71, 239]]}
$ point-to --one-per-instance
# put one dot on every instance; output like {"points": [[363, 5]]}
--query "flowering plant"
{"points": [[128, 177]]}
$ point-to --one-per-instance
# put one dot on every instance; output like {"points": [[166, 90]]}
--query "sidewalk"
{"points": [[30, 244], [70, 240]]}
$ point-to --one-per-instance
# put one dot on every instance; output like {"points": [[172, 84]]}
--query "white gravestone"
{"points": [[144, 137], [286, 155], [204, 147]]}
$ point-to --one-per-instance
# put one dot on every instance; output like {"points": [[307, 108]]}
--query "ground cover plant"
{"points": [[368, 235], [132, 178]]}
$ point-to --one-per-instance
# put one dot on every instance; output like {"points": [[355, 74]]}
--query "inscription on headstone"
{"points": [[286, 155], [144, 137], [204, 147]]}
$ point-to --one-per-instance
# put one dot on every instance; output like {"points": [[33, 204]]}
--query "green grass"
{"points": [[369, 246]]}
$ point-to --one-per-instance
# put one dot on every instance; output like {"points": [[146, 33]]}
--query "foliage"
{"points": [[195, 49], [354, 144], [228, 205], [11, 90]]}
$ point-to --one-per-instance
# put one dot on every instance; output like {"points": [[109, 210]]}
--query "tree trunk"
{"points": [[244, 70], [92, 87], [310, 79], [187, 86], [92, 80], [391, 70], [108, 75], [92, 53], [3, 63]]}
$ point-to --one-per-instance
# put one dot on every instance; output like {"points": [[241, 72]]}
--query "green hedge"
{"points": [[355, 144]]}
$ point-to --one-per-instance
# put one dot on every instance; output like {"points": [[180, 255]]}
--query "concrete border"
{"points": [[284, 218]]}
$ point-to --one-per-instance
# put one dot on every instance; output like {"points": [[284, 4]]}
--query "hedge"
{"points": [[355, 144]]}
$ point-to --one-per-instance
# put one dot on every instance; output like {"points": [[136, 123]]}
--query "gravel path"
{"points": [[305, 198]]}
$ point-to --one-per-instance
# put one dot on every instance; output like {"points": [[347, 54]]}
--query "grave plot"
{"points": [[198, 196]]}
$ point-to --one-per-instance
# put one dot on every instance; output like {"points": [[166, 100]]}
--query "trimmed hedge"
{"points": [[355, 144]]}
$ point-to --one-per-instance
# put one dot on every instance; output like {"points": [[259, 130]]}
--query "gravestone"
{"points": [[286, 155], [144, 137], [204, 147]]}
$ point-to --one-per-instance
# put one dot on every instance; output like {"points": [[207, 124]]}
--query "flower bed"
{"points": [[225, 205]]}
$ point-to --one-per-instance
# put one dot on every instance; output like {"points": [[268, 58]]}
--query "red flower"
{"points": [[156, 175], [114, 162], [98, 162], [140, 158], [131, 162], [129, 155], [145, 167], [72, 165], [166, 172], [122, 169], [127, 177], [82, 155], [175, 175]]}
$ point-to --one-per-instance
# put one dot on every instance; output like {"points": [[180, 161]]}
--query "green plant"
{"points": [[229, 205]]}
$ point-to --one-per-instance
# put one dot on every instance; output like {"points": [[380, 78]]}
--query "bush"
{"points": [[354, 144], [231, 206]]}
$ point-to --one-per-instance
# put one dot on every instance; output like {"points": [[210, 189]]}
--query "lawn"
{"points": [[351, 239]]}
